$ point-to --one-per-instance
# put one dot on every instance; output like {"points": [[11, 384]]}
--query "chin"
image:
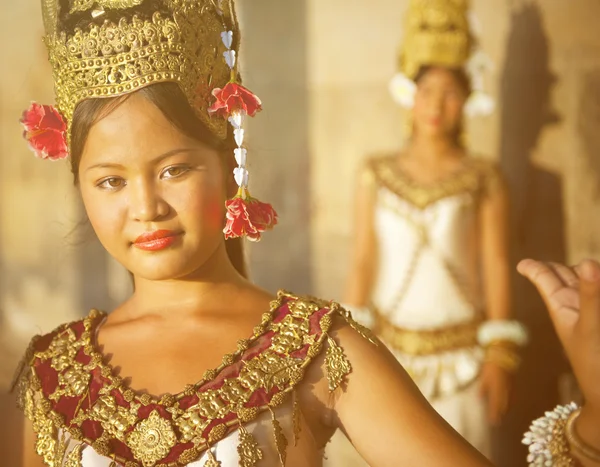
{"points": [[163, 272], [178, 261], [437, 132], [165, 265]]}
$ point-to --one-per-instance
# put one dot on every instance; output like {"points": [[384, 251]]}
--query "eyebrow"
{"points": [[156, 160]]}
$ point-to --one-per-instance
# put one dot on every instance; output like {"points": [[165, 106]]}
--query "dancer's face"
{"points": [[439, 103], [154, 196]]}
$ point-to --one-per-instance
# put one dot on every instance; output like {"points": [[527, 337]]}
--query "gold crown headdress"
{"points": [[102, 58], [190, 42], [439, 33]]}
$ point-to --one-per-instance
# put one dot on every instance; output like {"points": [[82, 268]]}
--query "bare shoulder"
{"points": [[356, 378], [492, 180]]}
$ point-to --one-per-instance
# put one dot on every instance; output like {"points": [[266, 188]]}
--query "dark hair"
{"points": [[460, 75], [171, 101]]}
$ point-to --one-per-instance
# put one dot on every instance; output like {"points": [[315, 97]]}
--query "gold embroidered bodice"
{"points": [[476, 177], [76, 403]]}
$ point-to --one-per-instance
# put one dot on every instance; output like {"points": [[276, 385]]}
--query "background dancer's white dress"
{"points": [[427, 299]]}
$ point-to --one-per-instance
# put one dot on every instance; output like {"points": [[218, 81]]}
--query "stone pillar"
{"points": [[274, 43]]}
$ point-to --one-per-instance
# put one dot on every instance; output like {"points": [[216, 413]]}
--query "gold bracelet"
{"points": [[504, 344], [577, 444], [506, 358]]}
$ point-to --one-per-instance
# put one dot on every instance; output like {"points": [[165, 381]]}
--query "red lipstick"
{"points": [[157, 240]]}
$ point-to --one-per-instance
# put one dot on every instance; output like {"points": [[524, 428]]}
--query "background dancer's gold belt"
{"points": [[427, 341]]}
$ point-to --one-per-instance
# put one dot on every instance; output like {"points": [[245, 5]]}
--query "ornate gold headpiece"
{"points": [[436, 33], [181, 43]]}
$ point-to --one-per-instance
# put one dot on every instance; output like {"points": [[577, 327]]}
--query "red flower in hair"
{"points": [[45, 131], [247, 216], [234, 97]]}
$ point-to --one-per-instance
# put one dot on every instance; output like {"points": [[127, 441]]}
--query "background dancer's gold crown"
{"points": [[119, 46], [436, 34]]}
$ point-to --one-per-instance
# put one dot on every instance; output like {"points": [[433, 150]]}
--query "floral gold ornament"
{"points": [[337, 365], [188, 456], [248, 449], [212, 461], [151, 439], [73, 459]]}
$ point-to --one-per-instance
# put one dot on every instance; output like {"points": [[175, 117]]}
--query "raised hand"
{"points": [[572, 296]]}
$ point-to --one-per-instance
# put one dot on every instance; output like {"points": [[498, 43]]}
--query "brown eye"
{"points": [[174, 171], [111, 183]]}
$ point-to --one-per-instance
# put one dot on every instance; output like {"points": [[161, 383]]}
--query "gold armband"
{"points": [[579, 446]]}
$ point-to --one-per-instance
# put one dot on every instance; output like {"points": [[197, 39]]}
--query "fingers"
{"points": [[561, 301], [567, 274], [542, 276], [589, 290]]}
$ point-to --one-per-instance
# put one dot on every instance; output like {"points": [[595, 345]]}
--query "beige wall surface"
{"points": [[322, 69]]}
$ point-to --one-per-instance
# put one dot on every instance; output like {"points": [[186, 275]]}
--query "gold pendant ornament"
{"points": [[281, 441], [212, 461], [151, 439], [248, 449], [296, 420], [337, 365], [75, 456]]}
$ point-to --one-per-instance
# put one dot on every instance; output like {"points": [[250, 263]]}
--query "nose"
{"points": [[146, 203], [437, 104]]}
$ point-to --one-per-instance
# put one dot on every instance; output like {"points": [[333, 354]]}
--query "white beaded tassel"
{"points": [[236, 120], [540, 435], [240, 173]]}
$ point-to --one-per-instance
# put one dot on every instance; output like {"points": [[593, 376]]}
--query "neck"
{"points": [[206, 289], [432, 149]]}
